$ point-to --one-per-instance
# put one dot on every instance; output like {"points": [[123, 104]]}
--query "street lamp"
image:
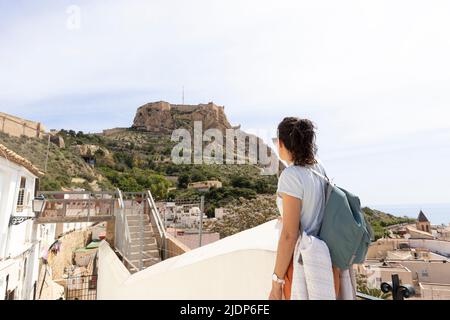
{"points": [[38, 204]]}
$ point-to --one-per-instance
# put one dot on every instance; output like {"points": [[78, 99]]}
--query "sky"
{"points": [[374, 76]]}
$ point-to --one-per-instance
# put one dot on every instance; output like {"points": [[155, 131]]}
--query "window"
{"points": [[21, 197], [25, 268]]}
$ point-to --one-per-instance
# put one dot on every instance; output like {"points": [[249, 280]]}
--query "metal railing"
{"points": [[156, 221], [76, 206], [122, 233], [399, 291]]}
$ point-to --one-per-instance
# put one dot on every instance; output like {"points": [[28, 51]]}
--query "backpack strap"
{"points": [[327, 188], [323, 176]]}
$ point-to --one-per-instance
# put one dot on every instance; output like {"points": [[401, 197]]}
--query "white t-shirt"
{"points": [[302, 183]]}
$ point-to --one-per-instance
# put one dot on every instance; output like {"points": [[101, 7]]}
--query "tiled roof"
{"points": [[422, 217], [17, 159]]}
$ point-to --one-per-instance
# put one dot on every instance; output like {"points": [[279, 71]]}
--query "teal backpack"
{"points": [[344, 227]]}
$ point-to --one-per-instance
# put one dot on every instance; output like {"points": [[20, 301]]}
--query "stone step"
{"points": [[139, 235], [137, 217], [136, 247], [147, 243], [146, 262], [148, 254], [137, 222], [137, 228]]}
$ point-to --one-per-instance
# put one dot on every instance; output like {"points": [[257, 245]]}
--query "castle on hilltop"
{"points": [[163, 117]]}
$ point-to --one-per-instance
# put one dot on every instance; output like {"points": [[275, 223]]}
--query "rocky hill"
{"points": [[163, 117], [139, 158]]}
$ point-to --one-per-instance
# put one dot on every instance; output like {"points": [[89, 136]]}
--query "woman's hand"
{"points": [[277, 292]]}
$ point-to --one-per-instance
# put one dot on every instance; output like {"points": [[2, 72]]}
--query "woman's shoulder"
{"points": [[301, 170], [293, 172]]}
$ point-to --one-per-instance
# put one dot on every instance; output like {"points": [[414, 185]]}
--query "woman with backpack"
{"points": [[300, 198]]}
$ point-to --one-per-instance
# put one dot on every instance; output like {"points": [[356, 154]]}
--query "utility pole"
{"points": [[48, 150], [202, 209], [182, 97]]}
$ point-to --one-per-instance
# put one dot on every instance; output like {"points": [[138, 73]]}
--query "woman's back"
{"points": [[302, 183]]}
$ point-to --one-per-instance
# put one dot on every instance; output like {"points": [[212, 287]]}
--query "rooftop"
{"points": [[192, 239], [19, 160], [225, 269], [422, 217]]}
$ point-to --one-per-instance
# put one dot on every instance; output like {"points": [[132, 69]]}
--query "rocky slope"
{"points": [[163, 117], [138, 158]]}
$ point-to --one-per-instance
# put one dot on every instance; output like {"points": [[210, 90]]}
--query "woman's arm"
{"points": [[288, 238]]}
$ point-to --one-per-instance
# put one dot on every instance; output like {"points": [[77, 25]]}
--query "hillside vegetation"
{"points": [[137, 161]]}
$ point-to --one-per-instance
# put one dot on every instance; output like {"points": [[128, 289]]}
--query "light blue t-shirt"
{"points": [[300, 182]]}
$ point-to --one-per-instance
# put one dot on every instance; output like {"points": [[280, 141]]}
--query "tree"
{"points": [[244, 214], [183, 180], [361, 286], [198, 176], [241, 182]]}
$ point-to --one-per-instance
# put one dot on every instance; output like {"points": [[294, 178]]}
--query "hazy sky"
{"points": [[373, 75]]}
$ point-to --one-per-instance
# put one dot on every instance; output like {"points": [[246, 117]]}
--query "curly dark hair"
{"points": [[299, 138]]}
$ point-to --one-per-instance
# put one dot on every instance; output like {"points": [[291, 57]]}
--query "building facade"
{"points": [[205, 185], [20, 238]]}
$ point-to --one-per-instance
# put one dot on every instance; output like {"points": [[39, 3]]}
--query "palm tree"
{"points": [[377, 293], [361, 284]]}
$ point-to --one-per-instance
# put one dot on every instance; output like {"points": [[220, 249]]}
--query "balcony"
{"points": [[67, 207]]}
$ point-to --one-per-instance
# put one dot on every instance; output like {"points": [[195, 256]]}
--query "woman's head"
{"points": [[297, 141]]}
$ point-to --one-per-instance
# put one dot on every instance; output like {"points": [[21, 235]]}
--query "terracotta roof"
{"points": [[14, 157], [422, 217], [191, 240]]}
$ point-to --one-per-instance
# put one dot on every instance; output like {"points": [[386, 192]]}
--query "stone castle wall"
{"points": [[17, 127], [163, 117]]}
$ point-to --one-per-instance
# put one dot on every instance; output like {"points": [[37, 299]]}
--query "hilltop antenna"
{"points": [[182, 97]]}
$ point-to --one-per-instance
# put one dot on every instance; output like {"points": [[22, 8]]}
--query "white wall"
{"points": [[438, 246], [18, 243], [236, 267], [9, 179]]}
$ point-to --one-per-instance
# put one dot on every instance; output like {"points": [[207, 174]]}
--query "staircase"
{"points": [[143, 246], [136, 241]]}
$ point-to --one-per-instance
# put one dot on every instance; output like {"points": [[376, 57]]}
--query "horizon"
{"points": [[374, 77]]}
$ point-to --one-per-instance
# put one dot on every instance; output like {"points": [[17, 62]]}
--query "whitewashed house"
{"points": [[19, 236]]}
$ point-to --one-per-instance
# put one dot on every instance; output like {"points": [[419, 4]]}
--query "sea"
{"points": [[437, 213]]}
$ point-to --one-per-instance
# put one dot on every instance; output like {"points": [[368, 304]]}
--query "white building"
{"points": [[191, 219], [219, 213], [20, 243]]}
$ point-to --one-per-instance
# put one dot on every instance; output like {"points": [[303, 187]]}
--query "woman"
{"points": [[299, 197]]}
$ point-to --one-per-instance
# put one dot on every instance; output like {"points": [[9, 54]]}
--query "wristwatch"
{"points": [[278, 280]]}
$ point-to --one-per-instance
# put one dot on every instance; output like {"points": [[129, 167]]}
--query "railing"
{"points": [[155, 220], [363, 296], [76, 206], [122, 233], [399, 292]]}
